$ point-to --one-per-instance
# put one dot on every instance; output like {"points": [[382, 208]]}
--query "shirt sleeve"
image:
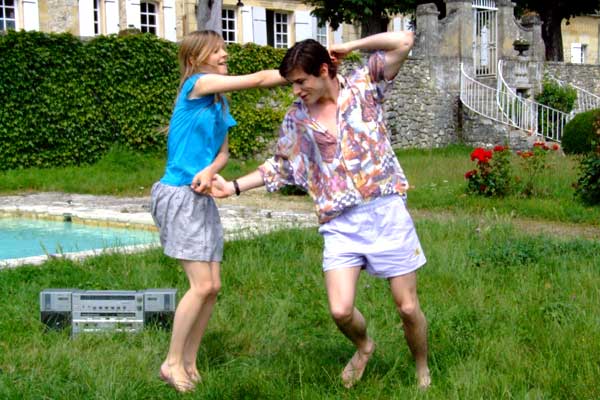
{"points": [[376, 68], [278, 170]]}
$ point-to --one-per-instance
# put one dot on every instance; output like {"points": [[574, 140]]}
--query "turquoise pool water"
{"points": [[20, 237]]}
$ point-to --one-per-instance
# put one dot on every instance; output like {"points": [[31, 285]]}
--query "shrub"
{"points": [[588, 185], [561, 98], [66, 102], [491, 177], [534, 162], [579, 133]]}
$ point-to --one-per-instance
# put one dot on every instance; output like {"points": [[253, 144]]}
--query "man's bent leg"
{"points": [[404, 292], [341, 292]]}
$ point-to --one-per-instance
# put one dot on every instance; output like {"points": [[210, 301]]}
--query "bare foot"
{"points": [[356, 366], [178, 379], [193, 373], [424, 378]]}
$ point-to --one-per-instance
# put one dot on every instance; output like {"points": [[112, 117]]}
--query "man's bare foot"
{"points": [[424, 378], [178, 379], [356, 366]]}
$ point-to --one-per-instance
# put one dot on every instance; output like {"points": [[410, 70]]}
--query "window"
{"points": [[322, 34], [97, 17], [277, 29], [578, 53], [7, 15], [228, 25], [148, 17]]}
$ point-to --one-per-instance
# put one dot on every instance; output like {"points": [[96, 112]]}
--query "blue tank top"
{"points": [[196, 133]]}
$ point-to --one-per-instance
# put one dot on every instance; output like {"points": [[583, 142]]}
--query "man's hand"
{"points": [[337, 52], [221, 188]]}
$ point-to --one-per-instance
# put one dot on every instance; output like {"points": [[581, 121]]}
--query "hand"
{"points": [[202, 181], [337, 52], [221, 188]]}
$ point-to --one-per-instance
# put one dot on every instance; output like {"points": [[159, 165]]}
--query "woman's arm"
{"points": [[396, 45], [215, 83], [203, 179]]}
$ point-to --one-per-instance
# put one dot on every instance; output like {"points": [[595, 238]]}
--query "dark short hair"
{"points": [[308, 55]]}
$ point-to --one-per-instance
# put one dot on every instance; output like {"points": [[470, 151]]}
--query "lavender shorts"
{"points": [[378, 236]]}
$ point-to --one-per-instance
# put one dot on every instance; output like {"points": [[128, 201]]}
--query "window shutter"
{"points": [[247, 30], [133, 14], [576, 53], [31, 15], [303, 24], [111, 12], [259, 26], [337, 34], [86, 18], [169, 20]]}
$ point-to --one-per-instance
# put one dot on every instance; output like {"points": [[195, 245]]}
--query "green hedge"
{"points": [[580, 132], [66, 102]]}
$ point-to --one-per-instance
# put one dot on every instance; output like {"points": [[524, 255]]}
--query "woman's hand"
{"points": [[202, 181]]}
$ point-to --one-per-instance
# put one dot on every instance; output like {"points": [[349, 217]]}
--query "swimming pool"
{"points": [[22, 237]]}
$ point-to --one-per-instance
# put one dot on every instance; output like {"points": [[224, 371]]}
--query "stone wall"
{"points": [[418, 112], [585, 76]]}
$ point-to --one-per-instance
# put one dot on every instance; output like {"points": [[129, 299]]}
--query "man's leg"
{"points": [[404, 292], [341, 291]]}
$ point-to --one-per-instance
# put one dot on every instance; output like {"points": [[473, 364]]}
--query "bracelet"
{"points": [[236, 187]]}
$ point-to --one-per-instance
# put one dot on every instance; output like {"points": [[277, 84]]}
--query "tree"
{"points": [[208, 15], [552, 13], [373, 15]]}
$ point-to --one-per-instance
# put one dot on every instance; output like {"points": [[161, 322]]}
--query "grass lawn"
{"points": [[511, 315], [436, 177]]}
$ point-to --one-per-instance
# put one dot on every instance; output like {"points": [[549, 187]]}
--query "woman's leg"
{"points": [[201, 291], [194, 339]]}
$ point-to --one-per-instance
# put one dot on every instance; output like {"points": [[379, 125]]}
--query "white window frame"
{"points": [[228, 18], [148, 27], [4, 20], [97, 7], [281, 39], [321, 34]]}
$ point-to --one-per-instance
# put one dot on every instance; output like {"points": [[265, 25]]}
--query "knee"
{"points": [[206, 290], [341, 313], [409, 310]]}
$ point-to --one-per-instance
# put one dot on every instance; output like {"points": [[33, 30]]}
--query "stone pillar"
{"points": [[506, 31], [427, 38], [465, 41], [537, 51]]}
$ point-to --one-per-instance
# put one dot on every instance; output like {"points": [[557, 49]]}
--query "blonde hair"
{"points": [[194, 50]]}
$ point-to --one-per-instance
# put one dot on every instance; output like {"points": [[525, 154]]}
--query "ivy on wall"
{"points": [[66, 102]]}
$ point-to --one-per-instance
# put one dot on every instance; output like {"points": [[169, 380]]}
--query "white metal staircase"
{"points": [[504, 105]]}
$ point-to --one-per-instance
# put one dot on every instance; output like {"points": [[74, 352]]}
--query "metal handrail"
{"points": [[586, 100], [529, 115], [504, 105]]}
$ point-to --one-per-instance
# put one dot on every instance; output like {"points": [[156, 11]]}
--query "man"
{"points": [[333, 142]]}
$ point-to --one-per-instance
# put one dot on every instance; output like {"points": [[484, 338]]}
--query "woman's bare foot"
{"points": [[193, 373], [356, 366], [176, 378], [423, 378]]}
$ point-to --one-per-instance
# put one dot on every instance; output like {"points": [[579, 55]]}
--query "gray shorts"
{"points": [[189, 223], [379, 236]]}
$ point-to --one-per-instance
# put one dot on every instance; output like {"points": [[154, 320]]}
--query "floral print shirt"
{"points": [[355, 167]]}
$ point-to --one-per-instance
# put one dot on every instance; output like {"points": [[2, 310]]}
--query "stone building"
{"points": [[277, 23], [581, 39]]}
